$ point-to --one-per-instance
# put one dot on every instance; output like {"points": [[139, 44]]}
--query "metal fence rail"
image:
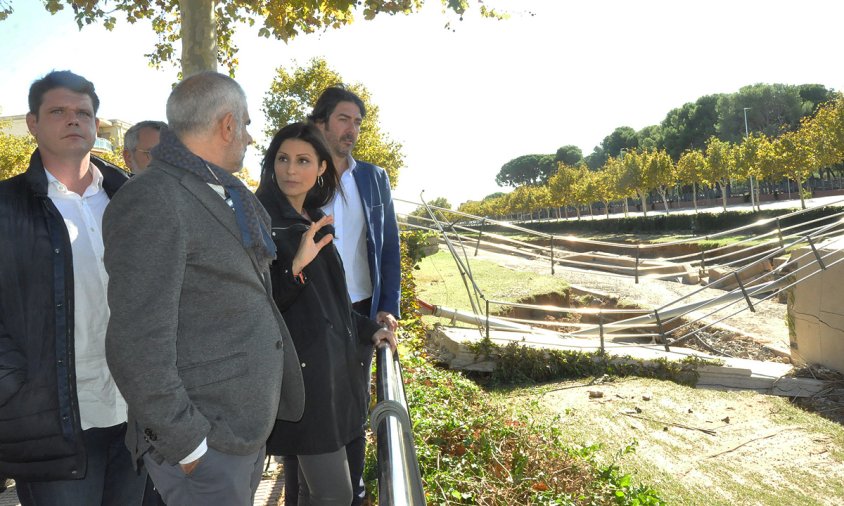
{"points": [[754, 272], [761, 239], [399, 480]]}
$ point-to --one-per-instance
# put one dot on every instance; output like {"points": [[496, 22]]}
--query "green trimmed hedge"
{"points": [[698, 224]]}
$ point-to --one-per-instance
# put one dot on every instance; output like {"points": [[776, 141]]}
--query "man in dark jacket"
{"points": [[62, 418]]}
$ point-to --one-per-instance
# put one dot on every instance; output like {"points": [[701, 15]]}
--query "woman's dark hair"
{"points": [[319, 195]]}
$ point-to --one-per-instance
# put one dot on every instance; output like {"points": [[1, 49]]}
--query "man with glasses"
{"points": [[138, 142]]}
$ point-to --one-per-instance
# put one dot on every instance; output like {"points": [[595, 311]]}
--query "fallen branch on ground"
{"points": [[750, 441], [679, 425]]}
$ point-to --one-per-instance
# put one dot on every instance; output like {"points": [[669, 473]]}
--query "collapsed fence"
{"points": [[760, 267]]}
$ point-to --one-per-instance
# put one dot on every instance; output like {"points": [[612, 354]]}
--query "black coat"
{"points": [[40, 431], [327, 334]]}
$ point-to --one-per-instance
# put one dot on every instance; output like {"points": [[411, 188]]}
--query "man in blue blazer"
{"points": [[367, 235]]}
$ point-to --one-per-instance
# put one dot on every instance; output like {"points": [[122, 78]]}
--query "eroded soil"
{"points": [[708, 447]]}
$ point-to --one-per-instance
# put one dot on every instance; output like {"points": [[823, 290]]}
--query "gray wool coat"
{"points": [[195, 342]]}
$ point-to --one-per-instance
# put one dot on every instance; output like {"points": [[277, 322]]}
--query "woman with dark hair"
{"points": [[309, 287]]}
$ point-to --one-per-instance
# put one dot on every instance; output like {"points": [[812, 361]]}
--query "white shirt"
{"points": [[350, 236], [100, 403]]}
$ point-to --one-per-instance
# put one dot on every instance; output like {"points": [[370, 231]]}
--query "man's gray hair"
{"points": [[130, 138], [199, 101]]}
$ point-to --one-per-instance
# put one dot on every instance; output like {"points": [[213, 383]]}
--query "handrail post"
{"points": [[487, 318], [661, 330], [552, 254], [744, 292], [601, 328], [399, 479], [480, 233], [815, 251], [636, 273]]}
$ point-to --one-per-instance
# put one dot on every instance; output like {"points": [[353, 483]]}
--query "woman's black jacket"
{"points": [[327, 334]]}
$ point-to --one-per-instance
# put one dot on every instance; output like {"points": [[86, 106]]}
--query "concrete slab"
{"points": [[731, 374], [816, 306]]}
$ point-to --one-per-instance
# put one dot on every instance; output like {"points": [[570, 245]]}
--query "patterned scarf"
{"points": [[252, 219]]}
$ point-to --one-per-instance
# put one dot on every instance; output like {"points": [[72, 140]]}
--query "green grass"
{"points": [[439, 282]]}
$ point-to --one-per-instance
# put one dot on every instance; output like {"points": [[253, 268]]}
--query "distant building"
{"points": [[109, 136]]}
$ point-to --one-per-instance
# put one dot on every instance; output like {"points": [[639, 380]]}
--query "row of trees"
{"points": [[771, 109], [817, 143]]}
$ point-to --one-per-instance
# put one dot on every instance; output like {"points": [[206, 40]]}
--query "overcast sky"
{"points": [[465, 102]]}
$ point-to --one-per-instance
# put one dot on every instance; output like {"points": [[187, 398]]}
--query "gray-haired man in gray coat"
{"points": [[195, 342]]}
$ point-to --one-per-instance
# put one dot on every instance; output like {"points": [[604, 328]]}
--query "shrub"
{"points": [[476, 447]]}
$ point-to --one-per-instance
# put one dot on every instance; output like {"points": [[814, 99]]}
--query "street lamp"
{"points": [[746, 135]]}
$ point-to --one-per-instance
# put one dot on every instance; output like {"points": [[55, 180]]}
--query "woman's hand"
{"points": [[308, 249], [385, 336]]}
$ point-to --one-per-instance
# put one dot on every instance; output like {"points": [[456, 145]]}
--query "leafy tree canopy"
{"points": [[621, 138], [690, 126], [569, 155], [650, 137], [526, 169], [292, 96], [596, 159], [772, 109], [188, 21], [15, 151]]}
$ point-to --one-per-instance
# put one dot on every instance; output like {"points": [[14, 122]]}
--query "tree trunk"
{"points": [[199, 36], [643, 197], [723, 194], [664, 195], [694, 196], [752, 195], [800, 191]]}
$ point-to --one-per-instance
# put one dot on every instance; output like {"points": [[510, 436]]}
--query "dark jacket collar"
{"points": [[36, 176], [282, 213]]}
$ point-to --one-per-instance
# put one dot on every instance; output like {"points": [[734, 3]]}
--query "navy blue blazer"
{"points": [[382, 237]]}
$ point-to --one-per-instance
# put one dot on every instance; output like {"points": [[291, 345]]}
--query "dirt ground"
{"points": [[708, 447], [702, 447]]}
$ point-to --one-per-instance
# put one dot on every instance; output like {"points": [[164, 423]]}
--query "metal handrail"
{"points": [[399, 480], [671, 317], [617, 245]]}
